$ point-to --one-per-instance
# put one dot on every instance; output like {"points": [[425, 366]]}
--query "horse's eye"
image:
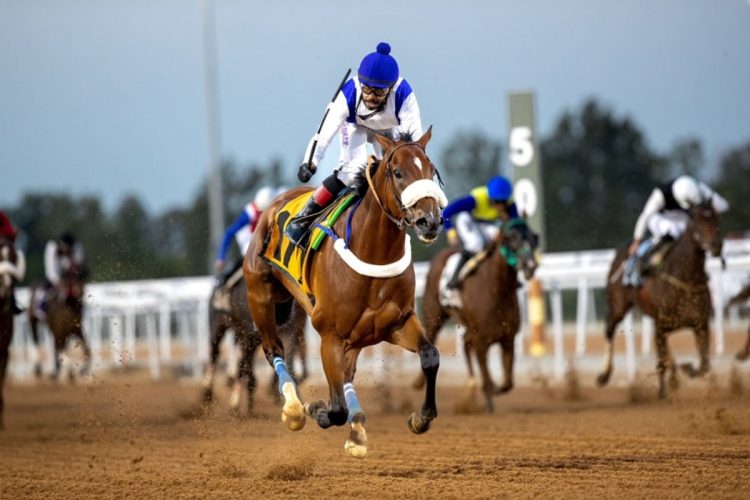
{"points": [[397, 173]]}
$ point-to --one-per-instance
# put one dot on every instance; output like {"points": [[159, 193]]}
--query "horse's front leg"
{"points": [[356, 445], [333, 357], [411, 337], [702, 342]]}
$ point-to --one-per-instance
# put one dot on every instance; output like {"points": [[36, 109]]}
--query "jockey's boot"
{"points": [[455, 281], [298, 226]]}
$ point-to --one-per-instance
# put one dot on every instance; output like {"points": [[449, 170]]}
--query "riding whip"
{"points": [[328, 108]]}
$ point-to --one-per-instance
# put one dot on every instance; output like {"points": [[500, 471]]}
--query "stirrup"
{"points": [[296, 231]]}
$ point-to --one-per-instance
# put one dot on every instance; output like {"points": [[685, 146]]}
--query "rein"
{"points": [[402, 222]]}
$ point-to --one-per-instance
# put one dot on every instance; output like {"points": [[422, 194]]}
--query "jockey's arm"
{"points": [[654, 203], [718, 202], [241, 221], [51, 268], [337, 114], [410, 118], [464, 204]]}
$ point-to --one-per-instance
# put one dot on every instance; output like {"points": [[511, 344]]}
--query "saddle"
{"points": [[294, 260]]}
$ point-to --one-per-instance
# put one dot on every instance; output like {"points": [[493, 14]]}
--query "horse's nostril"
{"points": [[422, 222]]}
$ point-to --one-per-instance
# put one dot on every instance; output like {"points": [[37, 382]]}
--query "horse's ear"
{"points": [[425, 138], [385, 142]]}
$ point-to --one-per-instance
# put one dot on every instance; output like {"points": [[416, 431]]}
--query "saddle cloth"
{"points": [[295, 260]]}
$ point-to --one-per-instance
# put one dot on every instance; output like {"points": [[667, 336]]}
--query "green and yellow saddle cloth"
{"points": [[295, 260]]}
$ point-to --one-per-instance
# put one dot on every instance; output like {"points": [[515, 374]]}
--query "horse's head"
{"points": [[12, 267], [518, 244], [406, 189], [704, 225]]}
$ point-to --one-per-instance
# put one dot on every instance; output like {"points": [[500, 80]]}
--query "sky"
{"points": [[107, 98]]}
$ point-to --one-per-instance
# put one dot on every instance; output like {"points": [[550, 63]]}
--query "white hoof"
{"points": [[356, 445], [355, 450], [293, 413]]}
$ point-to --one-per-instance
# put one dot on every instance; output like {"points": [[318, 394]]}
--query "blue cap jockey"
{"points": [[473, 218], [378, 100]]}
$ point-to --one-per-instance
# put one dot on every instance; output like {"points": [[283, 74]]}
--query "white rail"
{"points": [[161, 323]]}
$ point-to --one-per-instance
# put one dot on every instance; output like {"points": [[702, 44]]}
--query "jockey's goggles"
{"points": [[367, 90]]}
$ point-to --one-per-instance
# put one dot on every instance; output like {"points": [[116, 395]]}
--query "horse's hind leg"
{"points": [[411, 337], [262, 308]]}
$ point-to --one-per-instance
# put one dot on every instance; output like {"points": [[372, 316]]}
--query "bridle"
{"points": [[404, 221]]}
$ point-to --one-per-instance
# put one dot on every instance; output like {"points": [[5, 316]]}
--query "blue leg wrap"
{"points": [[352, 403], [282, 372]]}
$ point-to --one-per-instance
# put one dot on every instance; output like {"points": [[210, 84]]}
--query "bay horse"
{"points": [[739, 298], [63, 316], [12, 270], [489, 307], [675, 294], [353, 309], [291, 320]]}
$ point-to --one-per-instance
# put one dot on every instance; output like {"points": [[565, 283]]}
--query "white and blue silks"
{"points": [[357, 125]]}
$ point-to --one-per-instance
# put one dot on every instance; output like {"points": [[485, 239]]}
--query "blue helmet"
{"points": [[499, 188], [379, 69]]}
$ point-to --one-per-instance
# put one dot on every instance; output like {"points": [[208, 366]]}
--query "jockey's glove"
{"points": [[306, 171]]}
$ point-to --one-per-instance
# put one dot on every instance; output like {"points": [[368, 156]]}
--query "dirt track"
{"points": [[127, 436]]}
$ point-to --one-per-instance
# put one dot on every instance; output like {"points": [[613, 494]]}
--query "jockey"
{"points": [[666, 217], [241, 230], [377, 100], [60, 256], [472, 219], [8, 232]]}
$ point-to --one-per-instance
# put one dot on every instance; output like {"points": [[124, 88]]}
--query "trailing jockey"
{"points": [[8, 232], [473, 219], [666, 217], [377, 100], [241, 230], [61, 256]]}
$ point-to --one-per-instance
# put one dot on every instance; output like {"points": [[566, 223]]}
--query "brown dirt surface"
{"points": [[126, 436]]}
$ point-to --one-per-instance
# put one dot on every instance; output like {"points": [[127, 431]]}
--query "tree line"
{"points": [[598, 170]]}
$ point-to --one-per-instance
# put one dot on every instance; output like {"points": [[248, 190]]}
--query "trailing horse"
{"points": [[675, 294], [289, 316], [12, 270], [487, 302], [64, 317], [739, 298], [358, 291]]}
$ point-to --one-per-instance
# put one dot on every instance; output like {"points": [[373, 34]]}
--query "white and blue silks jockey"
{"points": [[475, 219], [665, 215], [241, 230], [377, 100]]}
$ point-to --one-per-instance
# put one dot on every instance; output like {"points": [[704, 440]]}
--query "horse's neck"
{"points": [[375, 238], [687, 259], [507, 276]]}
